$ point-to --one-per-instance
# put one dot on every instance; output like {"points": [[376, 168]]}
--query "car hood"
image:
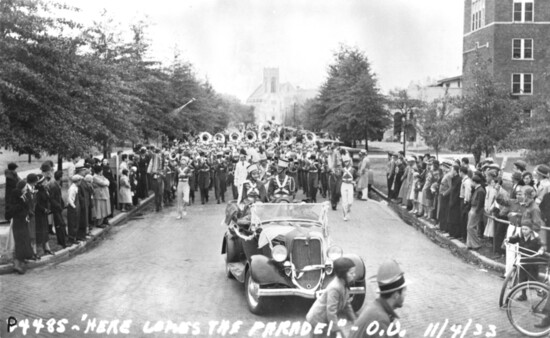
{"points": [[288, 232]]}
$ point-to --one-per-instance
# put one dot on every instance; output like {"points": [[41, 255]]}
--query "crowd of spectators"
{"points": [[70, 203], [472, 203]]}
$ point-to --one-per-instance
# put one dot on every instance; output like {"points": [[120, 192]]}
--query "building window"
{"points": [[478, 14], [522, 49], [523, 10], [522, 84]]}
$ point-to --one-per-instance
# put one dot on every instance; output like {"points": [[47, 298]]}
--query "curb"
{"points": [[75, 249], [456, 247]]}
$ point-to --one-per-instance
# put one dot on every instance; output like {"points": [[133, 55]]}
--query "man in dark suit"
{"points": [[57, 205]]}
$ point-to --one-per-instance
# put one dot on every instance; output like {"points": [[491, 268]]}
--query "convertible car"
{"points": [[285, 250]]}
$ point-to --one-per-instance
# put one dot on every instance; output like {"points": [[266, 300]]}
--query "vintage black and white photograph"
{"points": [[275, 168]]}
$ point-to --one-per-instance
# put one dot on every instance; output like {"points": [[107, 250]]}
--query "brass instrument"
{"points": [[250, 136], [219, 138], [235, 136], [310, 137], [263, 136], [205, 137]]}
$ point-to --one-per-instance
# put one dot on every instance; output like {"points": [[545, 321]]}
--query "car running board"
{"points": [[237, 270]]}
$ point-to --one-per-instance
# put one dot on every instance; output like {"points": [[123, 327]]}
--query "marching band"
{"points": [[265, 163]]}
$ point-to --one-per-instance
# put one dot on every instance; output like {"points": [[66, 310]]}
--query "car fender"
{"points": [[224, 244], [264, 271], [359, 266]]}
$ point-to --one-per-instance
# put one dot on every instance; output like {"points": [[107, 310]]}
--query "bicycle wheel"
{"points": [[509, 282], [524, 315]]}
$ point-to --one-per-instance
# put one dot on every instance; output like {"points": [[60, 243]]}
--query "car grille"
{"points": [[304, 253]]}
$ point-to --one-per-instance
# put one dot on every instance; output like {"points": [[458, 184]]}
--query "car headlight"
{"points": [[334, 252], [279, 253], [329, 267]]}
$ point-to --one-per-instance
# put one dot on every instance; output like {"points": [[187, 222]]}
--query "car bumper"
{"points": [[302, 293]]}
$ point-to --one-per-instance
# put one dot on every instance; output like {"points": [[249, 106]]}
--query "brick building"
{"points": [[514, 36]]}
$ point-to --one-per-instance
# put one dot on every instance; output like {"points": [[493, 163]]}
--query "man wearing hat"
{"points": [[529, 242], [363, 182], [519, 166], [73, 208], [392, 290], [312, 171], [12, 178], [281, 186], [220, 177], [444, 194], [475, 215]]}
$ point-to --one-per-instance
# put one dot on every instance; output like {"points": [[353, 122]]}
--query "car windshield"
{"points": [[272, 212]]}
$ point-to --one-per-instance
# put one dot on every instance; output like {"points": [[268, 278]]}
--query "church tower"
{"points": [[271, 80]]}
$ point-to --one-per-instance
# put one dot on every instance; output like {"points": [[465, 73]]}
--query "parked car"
{"points": [[286, 250]]}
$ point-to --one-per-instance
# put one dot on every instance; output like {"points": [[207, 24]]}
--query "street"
{"points": [[155, 276]]}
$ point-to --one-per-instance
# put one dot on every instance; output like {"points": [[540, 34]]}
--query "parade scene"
{"points": [[275, 169]]}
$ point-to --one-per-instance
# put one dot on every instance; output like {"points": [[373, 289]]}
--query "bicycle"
{"points": [[512, 278], [524, 315]]}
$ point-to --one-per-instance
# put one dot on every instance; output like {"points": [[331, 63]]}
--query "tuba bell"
{"points": [[235, 136], [250, 136], [310, 137], [219, 138], [205, 137], [263, 136]]}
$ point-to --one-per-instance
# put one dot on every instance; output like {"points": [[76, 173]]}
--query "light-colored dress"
{"points": [[102, 200], [125, 193]]}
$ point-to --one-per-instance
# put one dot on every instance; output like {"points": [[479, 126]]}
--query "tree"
{"points": [[349, 104], [535, 137], [400, 101], [434, 122], [488, 114]]}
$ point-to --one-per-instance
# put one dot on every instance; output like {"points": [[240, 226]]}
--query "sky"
{"points": [[229, 42]]}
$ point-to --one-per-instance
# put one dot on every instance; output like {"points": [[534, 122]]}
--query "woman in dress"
{"points": [[42, 210], [125, 193], [101, 197], [20, 211]]}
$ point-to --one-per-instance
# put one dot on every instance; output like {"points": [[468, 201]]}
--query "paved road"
{"points": [[156, 268]]}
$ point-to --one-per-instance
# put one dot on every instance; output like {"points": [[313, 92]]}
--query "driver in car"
{"points": [[282, 186]]}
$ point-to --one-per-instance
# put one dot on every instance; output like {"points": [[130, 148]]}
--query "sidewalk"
{"points": [[456, 247], [67, 253]]}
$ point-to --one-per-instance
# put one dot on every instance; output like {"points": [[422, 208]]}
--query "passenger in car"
{"points": [[334, 301]]}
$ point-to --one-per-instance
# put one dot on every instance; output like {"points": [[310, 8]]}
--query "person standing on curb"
{"points": [[475, 215], [20, 210], [73, 208], [57, 205], [392, 290], [11, 183], [363, 182]]}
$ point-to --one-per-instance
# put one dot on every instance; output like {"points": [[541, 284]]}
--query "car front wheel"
{"points": [[255, 303]]}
